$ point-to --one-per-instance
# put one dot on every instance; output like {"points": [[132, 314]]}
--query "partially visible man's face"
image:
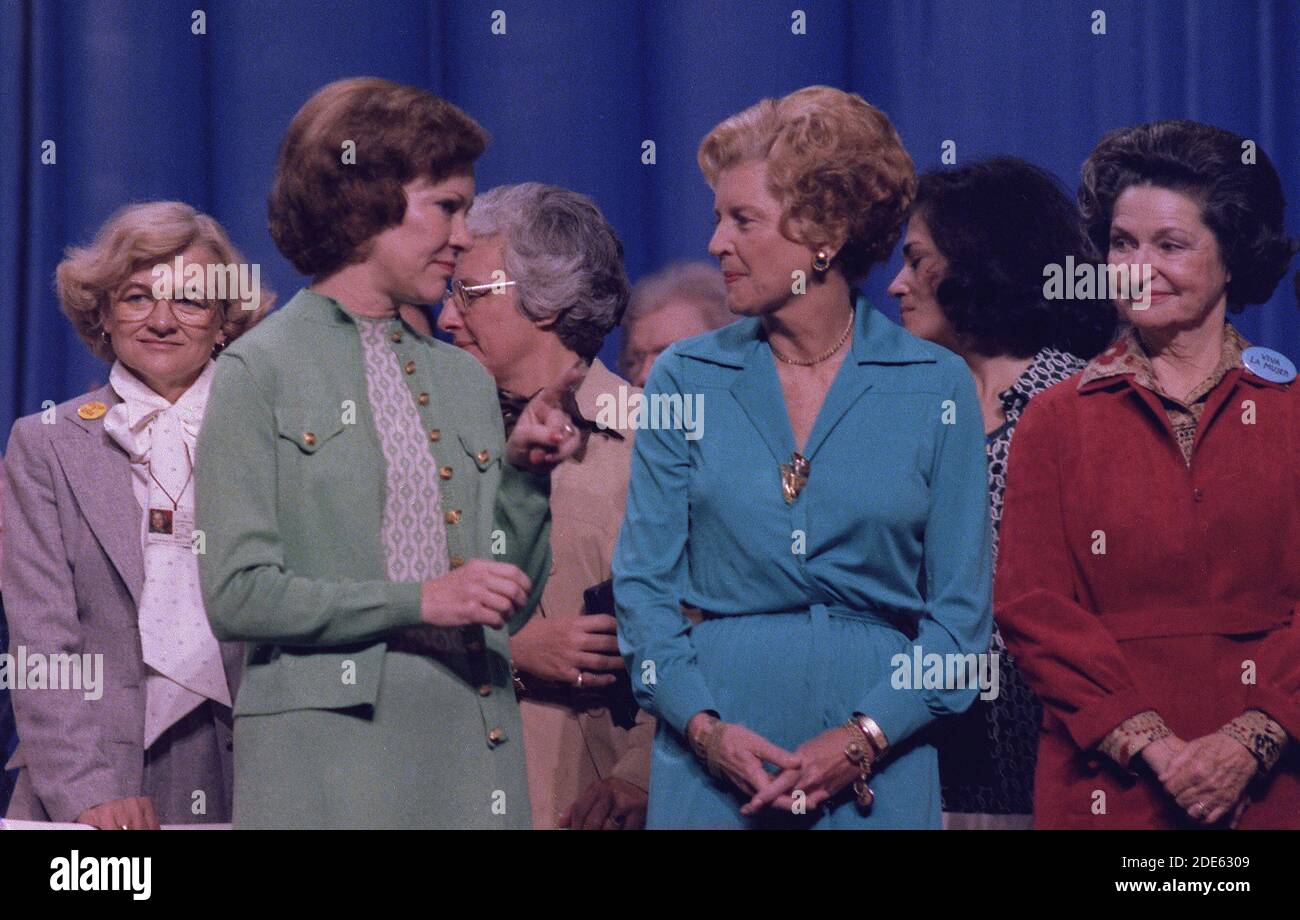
{"points": [[646, 338]]}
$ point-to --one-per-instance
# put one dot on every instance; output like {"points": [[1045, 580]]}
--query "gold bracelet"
{"points": [[875, 735], [861, 754]]}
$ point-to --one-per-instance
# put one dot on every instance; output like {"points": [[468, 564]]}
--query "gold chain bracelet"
{"points": [[862, 754]]}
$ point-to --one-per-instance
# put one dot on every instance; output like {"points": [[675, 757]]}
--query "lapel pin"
{"points": [[1268, 364], [95, 409]]}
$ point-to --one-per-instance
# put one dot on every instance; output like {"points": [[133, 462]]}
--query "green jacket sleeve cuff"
{"points": [[523, 515]]}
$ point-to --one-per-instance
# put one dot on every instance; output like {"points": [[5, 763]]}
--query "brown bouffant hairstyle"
{"points": [[1241, 202], [834, 161], [323, 206], [138, 236]]}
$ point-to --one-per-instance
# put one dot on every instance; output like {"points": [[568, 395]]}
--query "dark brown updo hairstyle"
{"points": [[1241, 200]]}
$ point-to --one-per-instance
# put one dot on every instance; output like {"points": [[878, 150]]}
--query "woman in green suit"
{"points": [[366, 527]]}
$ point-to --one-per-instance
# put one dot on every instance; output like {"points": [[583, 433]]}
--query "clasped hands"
{"points": [[818, 768], [1207, 776]]}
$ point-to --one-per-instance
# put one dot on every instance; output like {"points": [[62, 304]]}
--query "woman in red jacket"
{"points": [[1150, 546]]}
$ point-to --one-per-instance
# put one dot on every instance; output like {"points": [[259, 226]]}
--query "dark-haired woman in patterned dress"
{"points": [[975, 288]]}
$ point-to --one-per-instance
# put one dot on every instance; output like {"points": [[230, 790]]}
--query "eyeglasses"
{"points": [[463, 295], [138, 305]]}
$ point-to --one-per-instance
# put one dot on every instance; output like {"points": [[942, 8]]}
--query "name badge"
{"points": [[172, 528], [1268, 364]]}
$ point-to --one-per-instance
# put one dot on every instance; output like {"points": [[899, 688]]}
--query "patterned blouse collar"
{"points": [[1048, 368], [1127, 356]]}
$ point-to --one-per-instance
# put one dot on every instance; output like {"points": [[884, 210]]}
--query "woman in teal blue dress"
{"points": [[824, 504]]}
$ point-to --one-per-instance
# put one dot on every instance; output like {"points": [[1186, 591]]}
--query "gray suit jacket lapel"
{"points": [[99, 474]]}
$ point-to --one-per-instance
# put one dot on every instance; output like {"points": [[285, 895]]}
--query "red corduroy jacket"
{"points": [[1127, 581]]}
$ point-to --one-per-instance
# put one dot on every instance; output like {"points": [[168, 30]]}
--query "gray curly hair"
{"points": [[565, 257]]}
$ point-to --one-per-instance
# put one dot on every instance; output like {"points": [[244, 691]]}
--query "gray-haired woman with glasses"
{"points": [[537, 292]]}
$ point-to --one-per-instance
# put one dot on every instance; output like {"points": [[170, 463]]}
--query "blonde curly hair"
{"points": [[136, 236], [834, 161]]}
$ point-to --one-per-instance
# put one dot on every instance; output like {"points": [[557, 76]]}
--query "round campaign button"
{"points": [[91, 410], [1268, 364]]}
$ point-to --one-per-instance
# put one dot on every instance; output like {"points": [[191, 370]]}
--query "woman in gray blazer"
{"points": [[8, 735], [121, 693]]}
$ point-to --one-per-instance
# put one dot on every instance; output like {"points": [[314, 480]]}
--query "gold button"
{"points": [[435, 435], [452, 517], [457, 561], [485, 690], [309, 439], [410, 367], [496, 736], [396, 336], [424, 399], [482, 456], [445, 472]]}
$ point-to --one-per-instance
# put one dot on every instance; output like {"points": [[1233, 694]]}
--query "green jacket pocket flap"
{"points": [[309, 433], [479, 451]]}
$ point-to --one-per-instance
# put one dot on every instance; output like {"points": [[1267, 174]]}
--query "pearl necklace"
{"points": [[824, 355]]}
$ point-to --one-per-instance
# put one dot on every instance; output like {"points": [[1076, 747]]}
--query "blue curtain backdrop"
{"points": [[141, 108]]}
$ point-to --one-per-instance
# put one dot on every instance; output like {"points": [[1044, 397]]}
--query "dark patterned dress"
{"points": [[987, 754]]}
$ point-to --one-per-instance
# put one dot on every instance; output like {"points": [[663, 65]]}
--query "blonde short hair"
{"points": [[137, 236], [834, 161]]}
